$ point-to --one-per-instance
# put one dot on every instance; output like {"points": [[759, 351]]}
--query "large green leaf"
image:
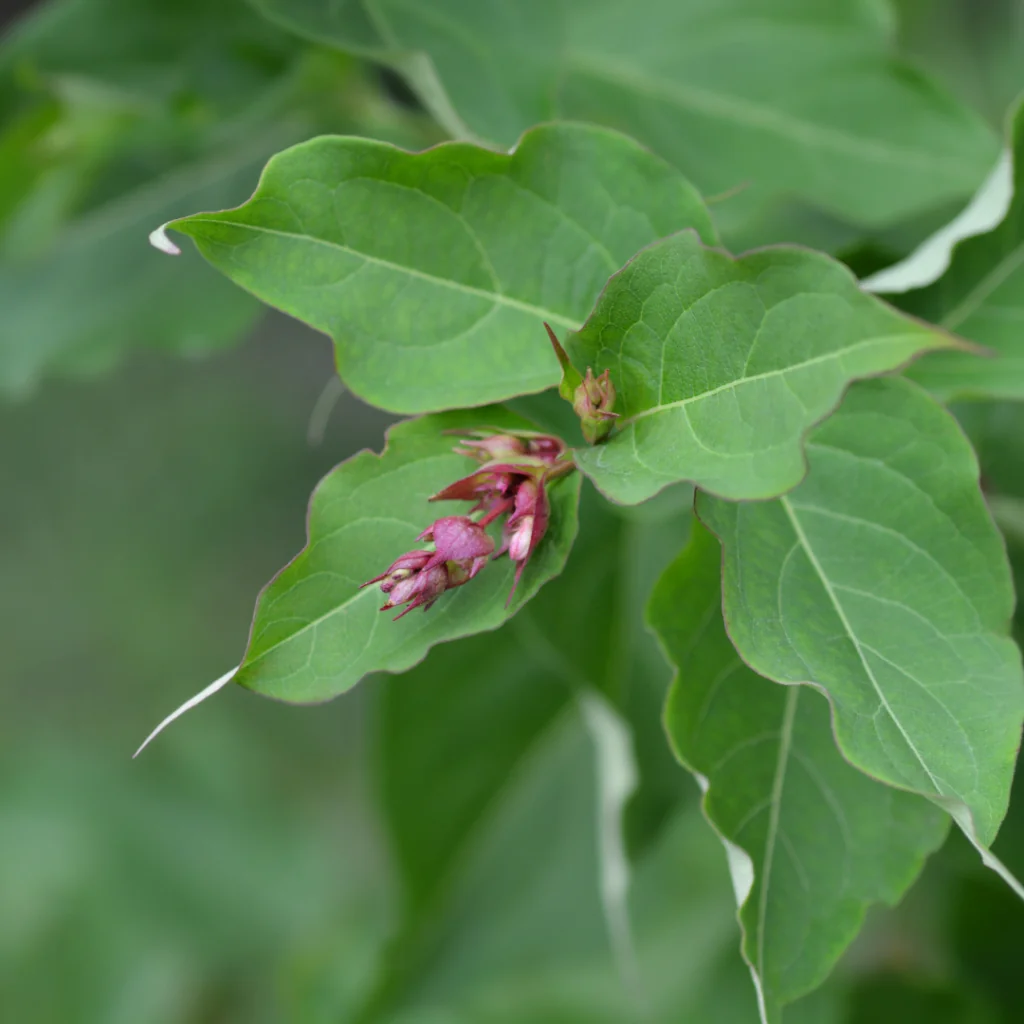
{"points": [[981, 296], [483, 754], [882, 581], [823, 839], [721, 365], [487, 69], [316, 633], [434, 271], [795, 96]]}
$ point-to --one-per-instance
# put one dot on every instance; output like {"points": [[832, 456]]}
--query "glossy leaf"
{"points": [[883, 581], [316, 633], [796, 97], [823, 839], [721, 365], [434, 271], [981, 297]]}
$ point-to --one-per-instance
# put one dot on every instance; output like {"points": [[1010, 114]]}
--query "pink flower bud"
{"points": [[421, 589], [458, 539], [519, 539], [493, 447]]}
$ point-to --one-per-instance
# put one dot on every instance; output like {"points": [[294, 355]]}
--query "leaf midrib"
{"points": [[883, 339], [749, 114], [805, 543], [775, 807], [499, 298], [976, 297]]}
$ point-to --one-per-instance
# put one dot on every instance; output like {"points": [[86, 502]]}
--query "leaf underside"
{"points": [[981, 297]]}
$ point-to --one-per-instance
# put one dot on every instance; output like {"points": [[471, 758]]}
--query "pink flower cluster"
{"points": [[512, 482]]}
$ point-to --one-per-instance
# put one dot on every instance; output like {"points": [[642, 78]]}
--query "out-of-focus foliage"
{"points": [[442, 847], [118, 115]]}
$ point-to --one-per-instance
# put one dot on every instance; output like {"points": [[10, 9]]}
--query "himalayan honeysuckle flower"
{"points": [[419, 578], [511, 481]]}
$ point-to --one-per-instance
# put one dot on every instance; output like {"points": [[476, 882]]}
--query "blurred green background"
{"points": [[239, 870]]}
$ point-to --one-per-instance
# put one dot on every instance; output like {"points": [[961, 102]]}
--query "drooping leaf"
{"points": [[434, 271], [721, 365], [794, 97], [316, 632], [883, 581], [483, 751], [981, 297], [823, 839]]}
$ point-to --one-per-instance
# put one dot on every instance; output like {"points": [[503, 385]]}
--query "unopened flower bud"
{"points": [[594, 403], [494, 447], [419, 578], [519, 539], [458, 539]]}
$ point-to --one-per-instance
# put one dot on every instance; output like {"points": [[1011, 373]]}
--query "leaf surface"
{"points": [[734, 92], [823, 839], [434, 271], [316, 633], [981, 297], [882, 581], [721, 365]]}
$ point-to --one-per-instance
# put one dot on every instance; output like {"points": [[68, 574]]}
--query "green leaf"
{"points": [[801, 98], [824, 841], [721, 365], [981, 297], [316, 633], [434, 271], [882, 581], [482, 753], [487, 69]]}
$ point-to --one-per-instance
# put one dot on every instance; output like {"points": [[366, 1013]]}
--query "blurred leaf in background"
{"points": [[123, 114]]}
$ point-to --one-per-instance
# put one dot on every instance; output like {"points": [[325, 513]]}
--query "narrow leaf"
{"points": [[882, 581], [721, 365], [824, 840], [317, 631], [435, 271], [981, 297]]}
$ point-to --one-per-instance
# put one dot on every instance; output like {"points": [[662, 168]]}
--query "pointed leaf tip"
{"points": [[159, 240]]}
